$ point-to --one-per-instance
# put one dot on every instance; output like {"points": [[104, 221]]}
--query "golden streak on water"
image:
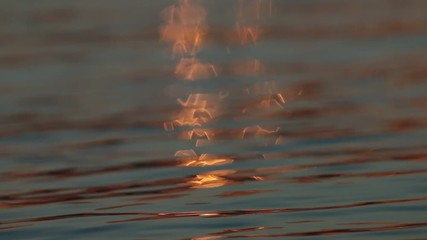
{"points": [[208, 133], [211, 179], [189, 158], [185, 28], [197, 110]]}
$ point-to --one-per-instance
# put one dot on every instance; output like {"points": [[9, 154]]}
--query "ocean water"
{"points": [[215, 120]]}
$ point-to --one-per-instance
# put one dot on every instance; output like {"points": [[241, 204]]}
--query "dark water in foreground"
{"points": [[86, 87]]}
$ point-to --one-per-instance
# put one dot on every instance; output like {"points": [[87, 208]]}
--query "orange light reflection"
{"points": [[189, 158], [197, 110], [193, 69], [211, 179]]}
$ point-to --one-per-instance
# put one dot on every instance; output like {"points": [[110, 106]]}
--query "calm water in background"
{"points": [[85, 87]]}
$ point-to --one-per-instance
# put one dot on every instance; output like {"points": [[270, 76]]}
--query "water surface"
{"points": [[87, 90]]}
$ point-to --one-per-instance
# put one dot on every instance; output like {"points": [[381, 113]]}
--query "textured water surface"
{"points": [[308, 121]]}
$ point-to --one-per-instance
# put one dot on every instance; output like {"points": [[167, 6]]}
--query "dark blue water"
{"points": [[88, 88]]}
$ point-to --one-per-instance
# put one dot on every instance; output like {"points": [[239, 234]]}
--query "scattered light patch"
{"points": [[248, 34], [197, 110], [184, 27], [189, 158], [258, 178], [193, 69], [257, 131], [211, 179]]}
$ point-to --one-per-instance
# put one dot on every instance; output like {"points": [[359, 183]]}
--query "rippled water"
{"points": [[315, 128]]}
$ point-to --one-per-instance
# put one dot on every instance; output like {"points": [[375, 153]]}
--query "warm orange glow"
{"points": [[257, 131], [207, 134], [275, 99], [258, 178], [248, 30], [267, 97], [193, 69], [211, 179], [197, 110], [196, 100], [189, 158], [185, 27], [248, 34], [187, 117]]}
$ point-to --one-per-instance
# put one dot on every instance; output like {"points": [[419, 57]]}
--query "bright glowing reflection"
{"points": [[184, 27], [211, 179], [189, 158]]}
